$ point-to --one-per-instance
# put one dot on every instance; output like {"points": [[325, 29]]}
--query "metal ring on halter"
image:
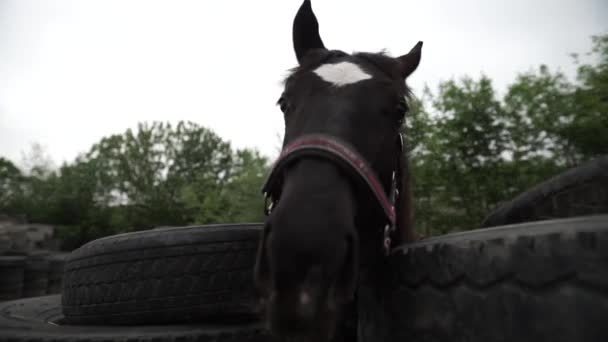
{"points": [[386, 240], [267, 206]]}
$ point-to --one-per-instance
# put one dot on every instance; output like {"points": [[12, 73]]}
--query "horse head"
{"points": [[337, 191]]}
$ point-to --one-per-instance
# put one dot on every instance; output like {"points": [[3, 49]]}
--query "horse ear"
{"points": [[306, 31], [409, 62]]}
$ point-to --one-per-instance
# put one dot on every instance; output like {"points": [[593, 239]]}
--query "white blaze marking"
{"points": [[342, 73]]}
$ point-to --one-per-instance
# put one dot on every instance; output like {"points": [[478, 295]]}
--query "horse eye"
{"points": [[283, 105], [402, 109]]}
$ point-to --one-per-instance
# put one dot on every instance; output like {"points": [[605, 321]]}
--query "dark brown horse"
{"points": [[339, 194]]}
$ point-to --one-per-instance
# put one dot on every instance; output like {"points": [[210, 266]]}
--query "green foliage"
{"points": [[470, 150], [243, 191], [11, 181], [158, 175], [478, 150], [457, 173], [587, 131]]}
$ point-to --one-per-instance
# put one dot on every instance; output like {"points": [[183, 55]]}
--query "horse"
{"points": [[339, 194]]}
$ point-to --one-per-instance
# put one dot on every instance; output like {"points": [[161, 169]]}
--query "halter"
{"points": [[319, 145]]}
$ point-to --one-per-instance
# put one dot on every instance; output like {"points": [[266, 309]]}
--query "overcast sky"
{"points": [[72, 72]]}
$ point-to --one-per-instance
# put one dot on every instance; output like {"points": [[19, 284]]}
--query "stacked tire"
{"points": [[169, 284], [41, 319], [540, 281], [30, 275], [11, 282], [55, 273], [169, 275], [536, 271], [580, 191]]}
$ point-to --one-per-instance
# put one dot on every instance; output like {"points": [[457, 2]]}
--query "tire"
{"points": [[35, 276], [55, 275], [11, 277], [159, 276], [582, 190], [541, 281], [40, 319]]}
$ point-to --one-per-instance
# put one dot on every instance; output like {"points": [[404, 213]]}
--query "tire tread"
{"points": [[163, 276]]}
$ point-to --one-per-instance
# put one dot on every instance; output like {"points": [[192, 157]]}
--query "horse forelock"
{"points": [[381, 63]]}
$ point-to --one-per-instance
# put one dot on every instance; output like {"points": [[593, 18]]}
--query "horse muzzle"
{"points": [[304, 316]]}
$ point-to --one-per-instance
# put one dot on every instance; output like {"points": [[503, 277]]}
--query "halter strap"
{"points": [[340, 152]]}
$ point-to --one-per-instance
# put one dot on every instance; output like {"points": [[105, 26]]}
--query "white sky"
{"points": [[72, 72]]}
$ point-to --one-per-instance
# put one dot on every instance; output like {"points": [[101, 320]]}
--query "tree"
{"points": [[178, 175], [156, 175], [457, 165], [243, 191], [588, 131], [11, 182], [37, 162], [478, 151], [469, 150], [148, 171]]}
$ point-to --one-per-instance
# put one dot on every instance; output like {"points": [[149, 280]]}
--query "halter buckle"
{"points": [[386, 241], [267, 206]]}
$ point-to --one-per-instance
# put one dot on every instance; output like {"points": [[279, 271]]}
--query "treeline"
{"points": [[470, 150], [158, 175]]}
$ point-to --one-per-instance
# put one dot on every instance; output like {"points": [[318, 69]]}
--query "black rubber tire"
{"points": [[169, 275], [35, 276], [11, 277], [582, 190], [40, 319], [541, 281], [55, 275]]}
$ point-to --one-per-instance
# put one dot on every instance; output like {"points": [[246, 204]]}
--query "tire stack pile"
{"points": [[30, 264], [11, 279], [31, 275], [170, 284], [537, 270]]}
